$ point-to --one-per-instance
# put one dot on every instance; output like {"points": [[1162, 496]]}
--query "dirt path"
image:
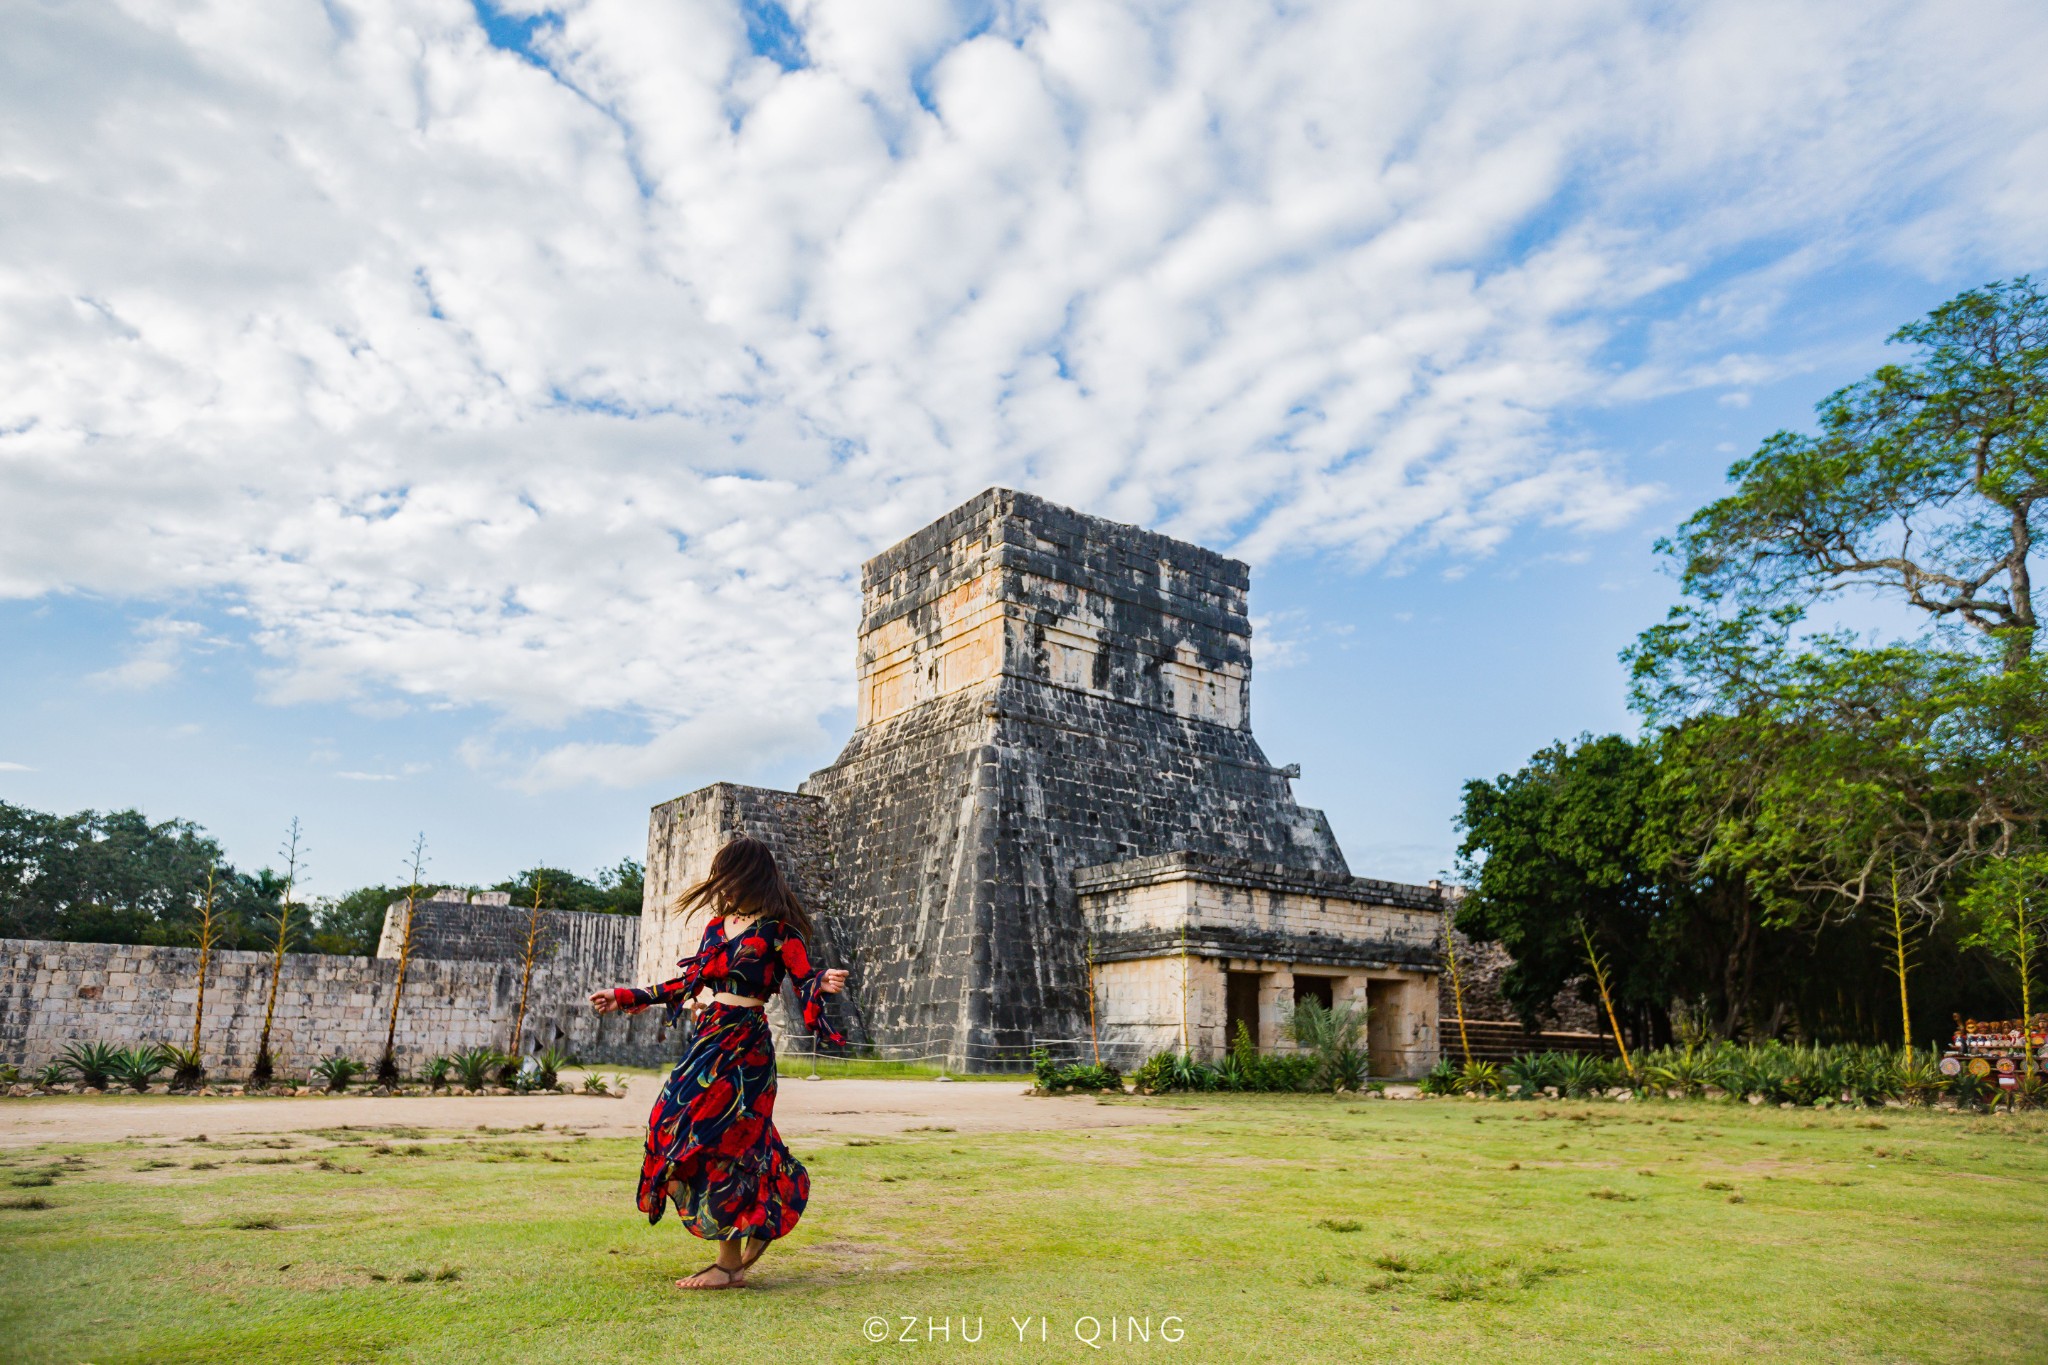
{"points": [[802, 1108]]}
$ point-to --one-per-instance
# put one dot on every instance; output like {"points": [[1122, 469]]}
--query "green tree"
{"points": [[614, 890], [1559, 842], [353, 923], [1926, 478], [116, 877]]}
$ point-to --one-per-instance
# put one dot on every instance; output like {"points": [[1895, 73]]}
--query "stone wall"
{"points": [[682, 836], [1480, 968], [55, 994], [604, 948]]}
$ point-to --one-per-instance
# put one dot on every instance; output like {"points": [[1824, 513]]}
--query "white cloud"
{"points": [[155, 657], [15, 768], [581, 392]]}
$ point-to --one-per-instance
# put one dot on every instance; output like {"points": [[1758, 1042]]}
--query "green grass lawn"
{"points": [[880, 1069], [1273, 1228]]}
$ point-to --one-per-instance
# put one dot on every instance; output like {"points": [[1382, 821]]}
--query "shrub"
{"points": [[1055, 1078], [136, 1067], [188, 1068], [10, 1074], [437, 1072], [594, 1084], [337, 1071], [1333, 1037], [94, 1062], [52, 1074], [474, 1065]]}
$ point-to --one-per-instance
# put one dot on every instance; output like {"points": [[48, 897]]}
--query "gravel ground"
{"points": [[803, 1107]]}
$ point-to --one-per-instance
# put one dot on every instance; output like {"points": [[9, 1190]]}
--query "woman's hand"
{"points": [[604, 1002], [832, 980]]}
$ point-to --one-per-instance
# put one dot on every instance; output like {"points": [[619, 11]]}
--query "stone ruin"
{"points": [[1052, 824]]}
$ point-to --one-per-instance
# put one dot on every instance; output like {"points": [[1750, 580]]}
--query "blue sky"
{"points": [[470, 418]]}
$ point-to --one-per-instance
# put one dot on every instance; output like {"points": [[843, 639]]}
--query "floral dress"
{"points": [[712, 1133]]}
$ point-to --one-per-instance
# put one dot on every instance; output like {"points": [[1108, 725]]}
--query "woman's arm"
{"points": [[811, 988], [677, 991]]}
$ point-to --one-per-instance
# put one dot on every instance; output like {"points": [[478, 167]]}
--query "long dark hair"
{"points": [[745, 880]]}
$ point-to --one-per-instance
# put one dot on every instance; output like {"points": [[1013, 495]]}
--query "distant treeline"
{"points": [[118, 877]]}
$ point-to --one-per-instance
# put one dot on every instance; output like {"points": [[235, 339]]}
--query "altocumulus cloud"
{"points": [[567, 379]]}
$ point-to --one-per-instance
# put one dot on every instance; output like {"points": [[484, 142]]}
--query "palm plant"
{"points": [[136, 1067], [474, 1065], [337, 1071], [94, 1063]]}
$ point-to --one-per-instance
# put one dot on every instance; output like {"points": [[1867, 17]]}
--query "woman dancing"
{"points": [[711, 1140]]}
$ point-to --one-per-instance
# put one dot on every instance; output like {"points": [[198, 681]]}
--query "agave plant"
{"points": [[53, 1074], [94, 1063], [549, 1063], [337, 1071], [437, 1072], [1813, 1075], [1871, 1075], [1689, 1072], [136, 1067], [188, 1068], [1921, 1081], [1531, 1073], [1972, 1091], [594, 1084], [1442, 1079], [1580, 1074], [475, 1065], [1479, 1078]]}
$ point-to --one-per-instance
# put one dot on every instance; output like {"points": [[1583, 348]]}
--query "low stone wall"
{"points": [[1480, 968], [55, 994], [606, 946]]}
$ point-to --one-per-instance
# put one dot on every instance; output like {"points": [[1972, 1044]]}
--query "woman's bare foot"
{"points": [[715, 1276]]}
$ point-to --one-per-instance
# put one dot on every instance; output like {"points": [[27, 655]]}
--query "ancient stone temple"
{"points": [[1052, 820]]}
